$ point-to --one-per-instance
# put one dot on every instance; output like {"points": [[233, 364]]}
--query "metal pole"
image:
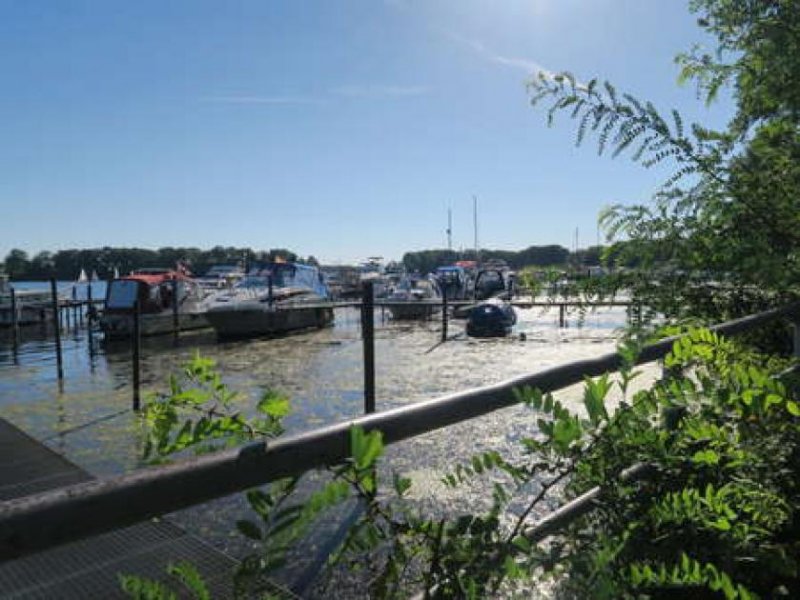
{"points": [[368, 335], [561, 316], [175, 324], [269, 283], [796, 337], [54, 302], [135, 341], [444, 313]]}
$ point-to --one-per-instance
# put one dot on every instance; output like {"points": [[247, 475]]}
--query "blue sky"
{"points": [[338, 129]]}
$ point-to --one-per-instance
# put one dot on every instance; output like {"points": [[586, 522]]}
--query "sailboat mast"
{"points": [[475, 222], [450, 229]]}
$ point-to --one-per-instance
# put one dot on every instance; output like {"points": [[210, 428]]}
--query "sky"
{"points": [[338, 129]]}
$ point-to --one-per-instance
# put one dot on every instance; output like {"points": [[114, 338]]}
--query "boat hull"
{"points": [[120, 326], [256, 319], [412, 310], [26, 315]]}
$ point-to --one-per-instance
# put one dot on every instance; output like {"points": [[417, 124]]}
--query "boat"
{"points": [[453, 282], [221, 276], [371, 271], [491, 282], [154, 290], [415, 297], [491, 318], [32, 306], [273, 299]]}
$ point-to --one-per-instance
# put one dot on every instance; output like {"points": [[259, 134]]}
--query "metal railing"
{"points": [[55, 517]]}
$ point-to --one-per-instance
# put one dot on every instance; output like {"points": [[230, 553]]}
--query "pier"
{"points": [[90, 568]]}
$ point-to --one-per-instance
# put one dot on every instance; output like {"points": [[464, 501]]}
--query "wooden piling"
{"points": [[90, 315], [368, 336], [444, 313], [135, 347], [57, 328], [14, 315], [175, 322]]}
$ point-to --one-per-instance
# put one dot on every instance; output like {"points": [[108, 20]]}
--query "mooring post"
{"points": [[368, 336], [14, 316], [561, 315], [175, 324], [89, 320], [54, 302], [444, 313], [135, 341]]}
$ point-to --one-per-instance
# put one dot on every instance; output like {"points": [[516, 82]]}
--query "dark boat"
{"points": [[492, 318]]}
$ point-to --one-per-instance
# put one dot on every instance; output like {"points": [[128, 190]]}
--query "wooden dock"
{"points": [[89, 568]]}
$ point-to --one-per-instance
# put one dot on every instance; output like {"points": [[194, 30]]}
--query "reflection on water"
{"points": [[319, 370]]}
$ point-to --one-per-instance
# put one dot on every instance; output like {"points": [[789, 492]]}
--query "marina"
{"points": [[88, 417]]}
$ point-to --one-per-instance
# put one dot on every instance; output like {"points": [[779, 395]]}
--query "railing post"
{"points": [[368, 336], [135, 342], [57, 323]]}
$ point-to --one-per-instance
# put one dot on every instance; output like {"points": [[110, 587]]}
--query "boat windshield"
{"points": [[253, 281]]}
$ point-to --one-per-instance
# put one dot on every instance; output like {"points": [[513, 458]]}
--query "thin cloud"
{"points": [[530, 67], [379, 91]]}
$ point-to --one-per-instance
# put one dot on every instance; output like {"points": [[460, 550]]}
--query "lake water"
{"points": [[88, 419]]}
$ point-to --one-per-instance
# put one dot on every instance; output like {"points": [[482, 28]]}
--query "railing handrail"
{"points": [[66, 514]]}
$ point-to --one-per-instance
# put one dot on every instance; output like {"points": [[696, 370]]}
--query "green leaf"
{"points": [[249, 529], [274, 405]]}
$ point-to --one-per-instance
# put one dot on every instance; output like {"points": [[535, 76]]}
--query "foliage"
{"points": [[66, 264], [426, 261], [728, 212], [198, 412], [183, 573]]}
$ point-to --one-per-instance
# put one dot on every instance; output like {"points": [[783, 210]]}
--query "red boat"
{"points": [[158, 293]]}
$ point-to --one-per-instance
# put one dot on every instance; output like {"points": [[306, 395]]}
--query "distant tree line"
{"points": [[67, 264], [425, 261]]}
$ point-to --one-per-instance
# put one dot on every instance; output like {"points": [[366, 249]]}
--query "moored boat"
{"points": [[273, 299], [154, 290], [221, 276], [415, 297], [453, 281], [491, 318], [32, 306]]}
